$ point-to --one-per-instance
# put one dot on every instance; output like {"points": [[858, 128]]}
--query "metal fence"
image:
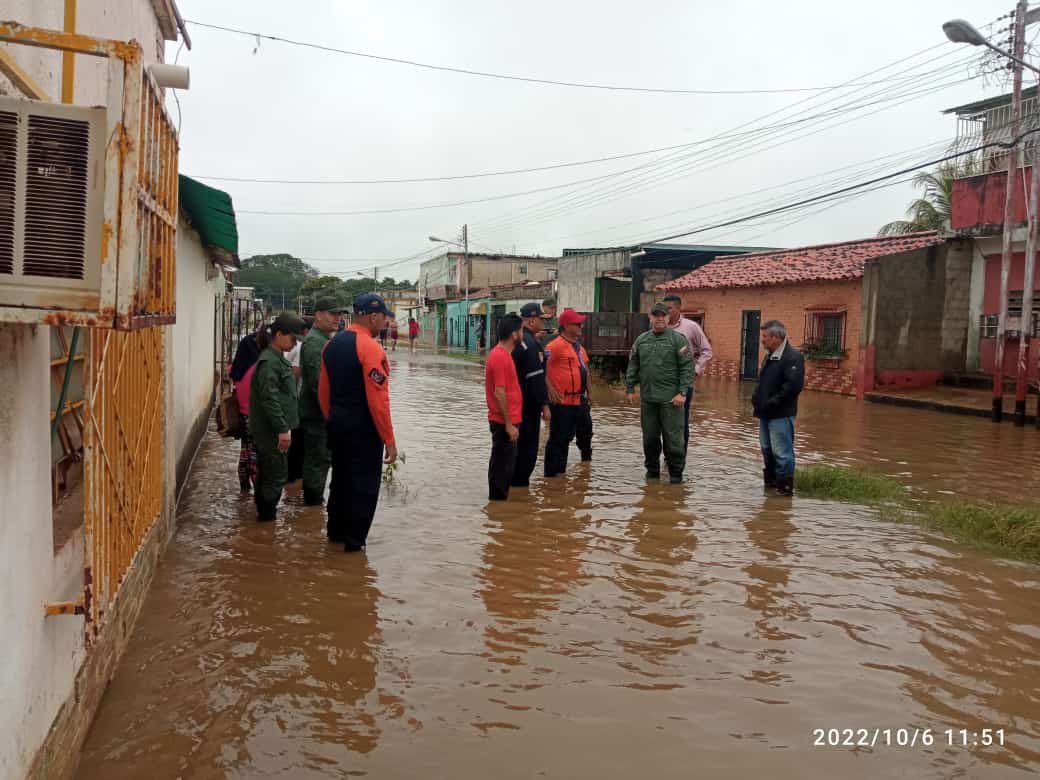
{"points": [[123, 457], [994, 125]]}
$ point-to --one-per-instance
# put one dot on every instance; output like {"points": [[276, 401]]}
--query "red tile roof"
{"points": [[826, 262]]}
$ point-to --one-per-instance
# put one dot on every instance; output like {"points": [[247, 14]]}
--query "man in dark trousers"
{"points": [[505, 407], [567, 380], [529, 358], [316, 457], [776, 405], [354, 391]]}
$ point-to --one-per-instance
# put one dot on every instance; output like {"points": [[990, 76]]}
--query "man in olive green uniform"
{"points": [[316, 456], [273, 412], [662, 365]]}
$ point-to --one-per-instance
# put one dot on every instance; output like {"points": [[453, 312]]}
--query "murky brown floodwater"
{"points": [[595, 627]]}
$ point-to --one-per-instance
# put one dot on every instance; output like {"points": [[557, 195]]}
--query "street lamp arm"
{"points": [[1011, 56]]}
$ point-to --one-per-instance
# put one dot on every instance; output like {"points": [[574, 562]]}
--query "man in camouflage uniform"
{"points": [[316, 456], [662, 365]]}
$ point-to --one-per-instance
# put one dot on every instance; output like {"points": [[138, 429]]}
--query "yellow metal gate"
{"points": [[123, 457]]}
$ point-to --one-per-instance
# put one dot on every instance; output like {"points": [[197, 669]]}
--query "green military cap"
{"points": [[659, 308], [287, 322], [328, 303]]}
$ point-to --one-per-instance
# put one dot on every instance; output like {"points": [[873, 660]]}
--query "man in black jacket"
{"points": [[529, 357], [776, 405]]}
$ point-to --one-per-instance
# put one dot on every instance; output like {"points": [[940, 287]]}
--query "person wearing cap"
{"points": [[567, 381], [529, 358], [273, 411], [354, 393], [316, 457], [661, 364]]}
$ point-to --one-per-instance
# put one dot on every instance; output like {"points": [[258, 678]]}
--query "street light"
{"points": [[464, 246], [960, 31]]}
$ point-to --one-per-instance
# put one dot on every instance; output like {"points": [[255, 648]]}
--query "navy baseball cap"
{"points": [[370, 303], [530, 310]]}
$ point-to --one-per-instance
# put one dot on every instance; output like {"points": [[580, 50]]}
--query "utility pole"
{"points": [[465, 262], [375, 277], [1009, 207], [1026, 327]]}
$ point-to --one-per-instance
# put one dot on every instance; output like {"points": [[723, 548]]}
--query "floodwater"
{"points": [[595, 626]]}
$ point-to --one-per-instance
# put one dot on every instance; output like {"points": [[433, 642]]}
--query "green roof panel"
{"points": [[211, 213]]}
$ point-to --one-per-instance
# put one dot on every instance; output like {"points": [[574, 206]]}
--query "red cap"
{"points": [[571, 317]]}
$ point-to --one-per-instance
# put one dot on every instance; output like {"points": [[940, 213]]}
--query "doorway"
{"points": [[751, 322]]}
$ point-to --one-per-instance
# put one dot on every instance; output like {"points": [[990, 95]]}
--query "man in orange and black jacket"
{"points": [[567, 377], [354, 393]]}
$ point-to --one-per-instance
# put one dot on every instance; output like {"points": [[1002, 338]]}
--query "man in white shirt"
{"points": [[699, 346]]}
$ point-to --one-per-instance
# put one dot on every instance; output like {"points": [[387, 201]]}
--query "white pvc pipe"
{"points": [[171, 76]]}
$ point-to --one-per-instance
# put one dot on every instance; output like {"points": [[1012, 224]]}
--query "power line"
{"points": [[843, 190], [512, 217], [486, 174], [549, 188], [502, 76]]}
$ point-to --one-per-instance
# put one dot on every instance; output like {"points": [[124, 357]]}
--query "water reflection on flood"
{"points": [[595, 625]]}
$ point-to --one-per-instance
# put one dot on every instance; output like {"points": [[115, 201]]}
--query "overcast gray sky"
{"points": [[287, 112]]}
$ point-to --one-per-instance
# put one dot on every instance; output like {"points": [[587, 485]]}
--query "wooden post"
{"points": [[68, 59]]}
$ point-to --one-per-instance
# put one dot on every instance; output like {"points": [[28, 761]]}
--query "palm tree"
{"points": [[932, 210]]}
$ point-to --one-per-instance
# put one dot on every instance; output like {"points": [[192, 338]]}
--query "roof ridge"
{"points": [[874, 239]]}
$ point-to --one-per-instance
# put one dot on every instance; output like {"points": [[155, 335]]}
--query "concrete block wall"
{"points": [[723, 310], [923, 310]]}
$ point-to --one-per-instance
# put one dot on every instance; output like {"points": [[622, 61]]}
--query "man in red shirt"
{"points": [[505, 407]]}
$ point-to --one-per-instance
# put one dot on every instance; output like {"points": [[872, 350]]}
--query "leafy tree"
{"points": [[932, 210], [275, 277]]}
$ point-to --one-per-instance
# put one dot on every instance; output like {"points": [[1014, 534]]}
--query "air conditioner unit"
{"points": [[52, 189], [88, 198]]}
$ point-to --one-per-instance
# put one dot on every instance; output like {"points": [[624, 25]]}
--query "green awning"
{"points": [[211, 213]]}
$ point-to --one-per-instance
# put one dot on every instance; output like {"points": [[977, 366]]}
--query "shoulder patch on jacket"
{"points": [[684, 349], [377, 376]]}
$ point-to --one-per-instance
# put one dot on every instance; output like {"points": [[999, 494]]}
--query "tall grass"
{"points": [[1007, 528]]}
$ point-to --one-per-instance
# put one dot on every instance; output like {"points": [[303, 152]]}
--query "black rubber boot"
{"points": [[653, 474], [675, 477], [785, 486], [245, 486], [266, 512], [768, 478], [313, 499], [586, 457]]}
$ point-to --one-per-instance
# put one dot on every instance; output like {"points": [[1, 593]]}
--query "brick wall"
{"points": [[723, 311]]}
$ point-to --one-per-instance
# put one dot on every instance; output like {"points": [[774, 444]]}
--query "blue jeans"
{"points": [[776, 438]]}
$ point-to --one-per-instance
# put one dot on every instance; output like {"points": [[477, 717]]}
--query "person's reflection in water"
{"points": [[531, 560], [768, 594], [659, 589]]}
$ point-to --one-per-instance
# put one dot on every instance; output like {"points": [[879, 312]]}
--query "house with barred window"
{"points": [[868, 314]]}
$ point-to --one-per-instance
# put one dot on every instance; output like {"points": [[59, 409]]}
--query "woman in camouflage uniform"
{"points": [[273, 412]]}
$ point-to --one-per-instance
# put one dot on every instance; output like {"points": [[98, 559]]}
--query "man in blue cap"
{"points": [[354, 392], [529, 357]]}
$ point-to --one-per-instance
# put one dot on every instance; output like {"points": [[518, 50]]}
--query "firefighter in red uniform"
{"points": [[354, 393], [567, 379]]}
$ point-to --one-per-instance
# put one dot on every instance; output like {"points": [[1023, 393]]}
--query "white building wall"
{"points": [[191, 345], [117, 19], [576, 277], [42, 655]]}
